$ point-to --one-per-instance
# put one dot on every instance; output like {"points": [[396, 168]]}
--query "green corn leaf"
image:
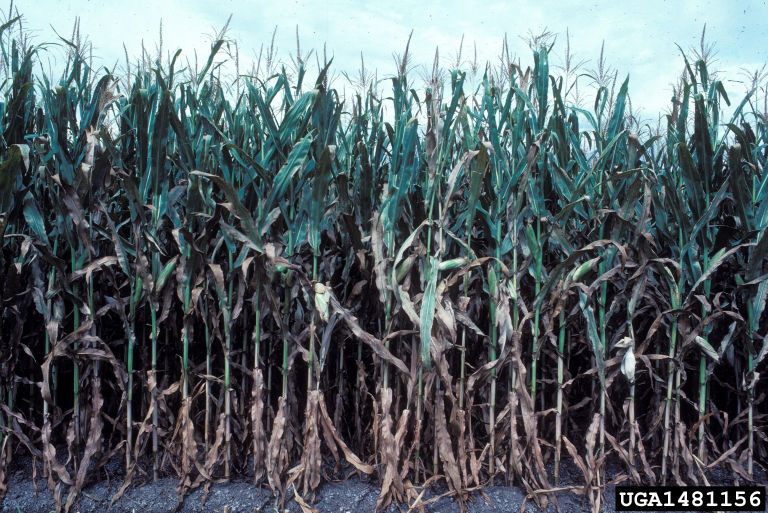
{"points": [[168, 269], [710, 213], [566, 210], [236, 206], [758, 254], [427, 314], [759, 300], [584, 268], [453, 263], [533, 241], [319, 191], [594, 338], [218, 284], [703, 141], [247, 161], [289, 169], [738, 184], [556, 272], [717, 260], [615, 126], [707, 348], [34, 218], [493, 283], [183, 140], [477, 178], [293, 122], [453, 177], [404, 247]]}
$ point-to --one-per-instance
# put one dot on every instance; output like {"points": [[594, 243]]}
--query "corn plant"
{"points": [[211, 274]]}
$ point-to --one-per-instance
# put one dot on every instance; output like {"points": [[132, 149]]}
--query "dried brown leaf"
{"points": [[311, 458], [329, 429], [92, 446], [389, 454], [257, 425], [445, 449], [305, 508], [374, 343], [277, 454]]}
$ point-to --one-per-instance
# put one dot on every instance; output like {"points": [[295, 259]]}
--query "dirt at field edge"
{"points": [[350, 496], [240, 496]]}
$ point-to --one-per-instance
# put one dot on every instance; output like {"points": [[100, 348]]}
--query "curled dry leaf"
{"points": [[374, 343], [389, 454], [311, 460], [445, 448], [305, 508], [92, 446], [277, 454], [257, 426], [186, 430], [332, 436]]}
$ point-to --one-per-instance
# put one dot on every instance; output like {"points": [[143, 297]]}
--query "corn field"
{"points": [[447, 284]]}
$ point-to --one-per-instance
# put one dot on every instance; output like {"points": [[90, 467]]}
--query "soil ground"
{"points": [[355, 494]]}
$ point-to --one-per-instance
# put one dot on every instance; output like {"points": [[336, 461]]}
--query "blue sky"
{"points": [[639, 37]]}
